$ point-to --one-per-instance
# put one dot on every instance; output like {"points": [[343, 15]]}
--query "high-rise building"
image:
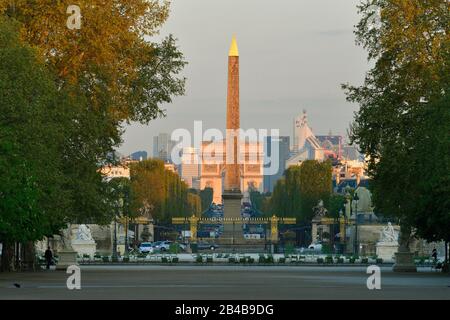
{"points": [[351, 153], [306, 145], [280, 146], [190, 167], [302, 131], [162, 147], [139, 155], [332, 145]]}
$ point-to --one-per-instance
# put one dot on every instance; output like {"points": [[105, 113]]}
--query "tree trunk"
{"points": [[446, 251], [404, 261], [7, 257], [29, 256]]}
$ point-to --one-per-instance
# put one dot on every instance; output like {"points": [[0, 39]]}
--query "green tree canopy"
{"points": [[48, 164], [301, 189], [410, 48], [160, 192]]}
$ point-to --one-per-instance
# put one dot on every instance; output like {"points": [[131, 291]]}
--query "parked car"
{"points": [[207, 246], [161, 245], [165, 245], [315, 246], [146, 247]]}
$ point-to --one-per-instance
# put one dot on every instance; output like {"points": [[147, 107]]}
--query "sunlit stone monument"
{"points": [[83, 243], [387, 246], [67, 256]]}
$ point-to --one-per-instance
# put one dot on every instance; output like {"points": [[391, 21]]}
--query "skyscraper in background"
{"points": [[270, 146], [162, 147], [332, 145], [190, 167], [139, 155]]}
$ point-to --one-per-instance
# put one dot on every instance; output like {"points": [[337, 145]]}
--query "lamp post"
{"points": [[126, 237], [342, 216], [125, 212], [114, 249], [356, 245]]}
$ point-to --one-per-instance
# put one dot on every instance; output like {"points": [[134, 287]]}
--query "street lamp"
{"points": [[114, 249], [126, 237], [343, 237], [356, 245]]}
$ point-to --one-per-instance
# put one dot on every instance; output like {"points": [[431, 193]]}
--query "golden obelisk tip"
{"points": [[233, 48]]}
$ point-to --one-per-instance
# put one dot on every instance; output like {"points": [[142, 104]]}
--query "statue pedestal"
{"points": [[232, 234], [67, 258], [84, 247], [404, 261], [386, 250]]}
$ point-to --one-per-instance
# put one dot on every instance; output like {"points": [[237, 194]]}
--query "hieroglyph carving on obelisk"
{"points": [[232, 172]]}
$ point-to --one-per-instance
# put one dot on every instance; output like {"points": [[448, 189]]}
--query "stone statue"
{"points": [[388, 234], [84, 233], [320, 210]]}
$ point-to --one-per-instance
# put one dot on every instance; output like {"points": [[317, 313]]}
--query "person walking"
{"points": [[48, 257], [434, 254]]}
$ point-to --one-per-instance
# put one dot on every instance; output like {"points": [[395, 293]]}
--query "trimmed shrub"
{"points": [[199, 259], [175, 260], [326, 249], [232, 260], [289, 249], [126, 259], [174, 248], [329, 259], [282, 260], [209, 259], [379, 260], [319, 260], [365, 260], [105, 259]]}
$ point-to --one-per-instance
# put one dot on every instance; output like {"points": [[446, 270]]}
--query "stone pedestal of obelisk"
{"points": [[232, 195]]}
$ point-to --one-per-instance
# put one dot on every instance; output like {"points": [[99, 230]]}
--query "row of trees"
{"points": [[160, 193], [301, 188], [64, 96], [403, 123]]}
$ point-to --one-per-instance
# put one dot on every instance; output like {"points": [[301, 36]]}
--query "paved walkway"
{"points": [[225, 282]]}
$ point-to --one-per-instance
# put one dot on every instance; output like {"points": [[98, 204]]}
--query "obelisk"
{"points": [[232, 195]]}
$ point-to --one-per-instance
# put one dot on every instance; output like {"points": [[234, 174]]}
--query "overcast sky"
{"points": [[294, 54]]}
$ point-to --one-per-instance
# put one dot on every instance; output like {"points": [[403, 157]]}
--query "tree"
{"points": [[410, 48], [89, 82], [278, 202], [206, 196], [147, 186], [315, 180], [120, 197], [301, 189], [336, 204], [112, 72], [110, 58], [162, 191], [46, 170]]}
